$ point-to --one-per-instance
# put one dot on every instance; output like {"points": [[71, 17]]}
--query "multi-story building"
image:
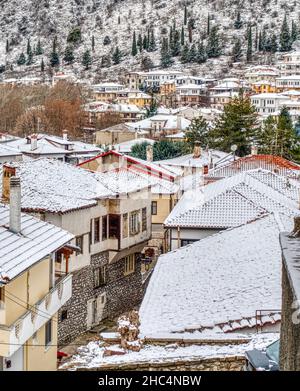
{"points": [[31, 290], [268, 104], [291, 82], [111, 221], [192, 95], [290, 64]]}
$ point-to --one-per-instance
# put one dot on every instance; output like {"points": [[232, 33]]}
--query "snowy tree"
{"points": [[39, 50], [238, 22], [249, 44], [193, 54], [69, 55], [54, 57], [285, 36], [182, 38], [185, 54], [213, 45], [201, 54], [93, 43], [87, 59], [165, 55], [42, 65], [117, 56], [237, 51], [152, 43], [134, 46], [22, 59]]}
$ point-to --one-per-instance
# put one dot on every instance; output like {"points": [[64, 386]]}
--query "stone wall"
{"points": [[123, 293], [233, 363], [290, 332]]}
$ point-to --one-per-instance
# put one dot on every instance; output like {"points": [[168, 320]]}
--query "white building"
{"points": [[290, 64], [291, 82], [269, 103]]}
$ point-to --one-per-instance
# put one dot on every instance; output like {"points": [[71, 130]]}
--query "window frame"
{"points": [[100, 276], [154, 208], [48, 333]]}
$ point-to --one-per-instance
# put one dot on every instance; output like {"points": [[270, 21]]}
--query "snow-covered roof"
{"points": [[268, 95], [36, 241], [7, 150], [170, 122], [57, 187], [217, 284], [236, 200], [126, 146], [190, 161]]}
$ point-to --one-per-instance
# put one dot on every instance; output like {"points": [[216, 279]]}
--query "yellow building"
{"points": [[263, 87], [30, 294]]}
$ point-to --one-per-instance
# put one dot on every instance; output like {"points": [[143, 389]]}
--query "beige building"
{"points": [[31, 293]]}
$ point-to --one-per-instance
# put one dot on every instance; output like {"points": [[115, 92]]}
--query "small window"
{"points": [[2, 294], [154, 208], [96, 230], [125, 225], [48, 333], [64, 315], [104, 227], [144, 219], [134, 222], [129, 264], [79, 243], [99, 276]]}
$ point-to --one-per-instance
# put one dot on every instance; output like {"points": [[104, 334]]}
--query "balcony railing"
{"points": [[24, 327]]}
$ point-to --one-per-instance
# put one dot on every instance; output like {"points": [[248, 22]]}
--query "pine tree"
{"points": [[238, 22], [198, 131], [201, 55], [260, 42], [69, 55], [166, 59], [285, 37], [140, 42], [87, 59], [185, 15], [182, 38], [237, 51], [28, 50], [294, 32], [93, 43], [175, 49], [7, 46], [134, 46], [145, 42], [185, 54], [42, 65], [193, 54], [237, 125], [264, 39], [39, 51], [208, 24], [22, 59], [249, 44], [256, 39], [54, 57], [117, 56], [152, 43], [213, 45], [29, 60]]}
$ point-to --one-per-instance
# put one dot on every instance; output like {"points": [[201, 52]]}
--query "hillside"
{"points": [[117, 19]]}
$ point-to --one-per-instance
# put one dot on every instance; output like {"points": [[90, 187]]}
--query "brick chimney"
{"points": [[149, 153], [7, 172], [15, 205], [33, 142], [197, 150]]}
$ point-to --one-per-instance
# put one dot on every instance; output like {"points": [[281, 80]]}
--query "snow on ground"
{"points": [[91, 355]]}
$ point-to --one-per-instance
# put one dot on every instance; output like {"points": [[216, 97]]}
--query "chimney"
{"points": [[7, 172], [65, 135], [254, 150], [149, 153], [179, 122], [197, 150], [15, 205], [33, 142]]}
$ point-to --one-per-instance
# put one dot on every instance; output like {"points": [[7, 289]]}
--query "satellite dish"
{"points": [[234, 148]]}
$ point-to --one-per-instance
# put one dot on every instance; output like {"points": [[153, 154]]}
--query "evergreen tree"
{"points": [[213, 45], [198, 131], [294, 32], [237, 51], [140, 42], [166, 59], [152, 43], [69, 55], [87, 59], [193, 54], [175, 48], [145, 43], [7, 46], [249, 44], [134, 46], [42, 65], [54, 57], [185, 15], [185, 54], [39, 49], [117, 56], [28, 50], [182, 36], [237, 125], [208, 24], [146, 63], [238, 22], [93, 43], [285, 37], [22, 59], [264, 39], [273, 44], [201, 55], [29, 60], [260, 42], [256, 39]]}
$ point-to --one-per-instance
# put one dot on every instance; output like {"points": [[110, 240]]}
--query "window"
{"points": [[144, 219], [2, 294], [96, 230], [154, 208], [129, 264], [104, 227], [185, 242], [134, 222], [79, 243], [125, 225], [99, 276], [48, 333], [64, 315]]}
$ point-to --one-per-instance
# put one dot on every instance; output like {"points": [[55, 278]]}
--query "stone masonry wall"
{"points": [[290, 332], [234, 363], [123, 293]]}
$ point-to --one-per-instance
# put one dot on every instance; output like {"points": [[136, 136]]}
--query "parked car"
{"points": [[263, 360]]}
